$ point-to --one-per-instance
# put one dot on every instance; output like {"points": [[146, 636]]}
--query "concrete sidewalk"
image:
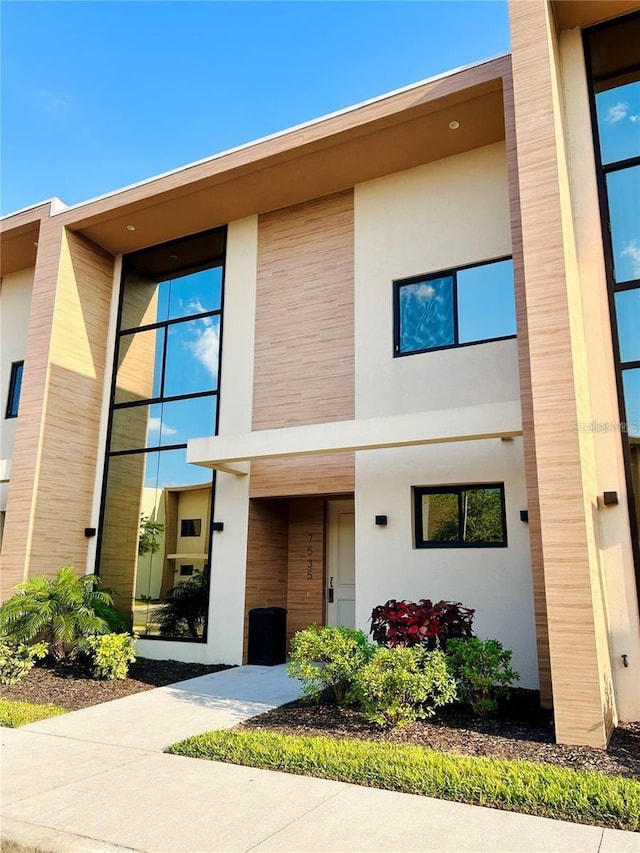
{"points": [[96, 780]]}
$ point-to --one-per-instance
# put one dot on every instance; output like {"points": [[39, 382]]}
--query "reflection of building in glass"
{"points": [[426, 299], [165, 393]]}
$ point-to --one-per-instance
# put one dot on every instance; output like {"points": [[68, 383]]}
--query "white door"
{"points": [[341, 564]]}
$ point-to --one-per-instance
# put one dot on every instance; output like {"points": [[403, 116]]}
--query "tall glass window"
{"points": [[613, 60], [157, 509]]}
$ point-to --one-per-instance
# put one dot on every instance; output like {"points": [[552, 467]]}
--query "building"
{"points": [[392, 353]]}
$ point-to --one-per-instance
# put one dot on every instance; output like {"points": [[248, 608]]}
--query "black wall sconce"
{"points": [[381, 520], [610, 498], [217, 526], [89, 532], [524, 515]]}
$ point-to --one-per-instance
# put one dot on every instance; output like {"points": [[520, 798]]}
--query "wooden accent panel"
{"points": [[305, 596], [582, 692], [526, 401], [326, 474], [304, 346], [26, 450], [304, 350], [57, 435], [266, 578]]}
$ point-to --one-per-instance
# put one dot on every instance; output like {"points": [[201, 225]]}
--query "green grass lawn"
{"points": [[14, 714], [522, 786]]}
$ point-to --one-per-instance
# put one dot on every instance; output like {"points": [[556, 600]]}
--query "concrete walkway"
{"points": [[97, 780]]}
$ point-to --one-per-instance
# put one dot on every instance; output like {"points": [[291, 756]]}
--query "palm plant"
{"points": [[183, 613], [60, 611]]}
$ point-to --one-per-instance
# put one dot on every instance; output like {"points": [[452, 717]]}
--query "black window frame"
{"points": [[456, 489], [196, 526], [603, 169], [217, 259], [15, 382], [423, 279]]}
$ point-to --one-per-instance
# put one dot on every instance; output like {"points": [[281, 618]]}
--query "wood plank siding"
{"points": [[267, 558], [56, 447], [304, 344], [557, 396], [526, 402]]}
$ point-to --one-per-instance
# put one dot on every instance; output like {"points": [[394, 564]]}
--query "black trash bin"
{"points": [[267, 636]]}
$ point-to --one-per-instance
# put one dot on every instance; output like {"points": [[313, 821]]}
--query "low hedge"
{"points": [[14, 714], [521, 786]]}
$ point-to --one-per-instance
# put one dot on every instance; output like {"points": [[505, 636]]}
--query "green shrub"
{"points": [[328, 658], [402, 684], [60, 611], [111, 654], [16, 659], [14, 714], [483, 671]]}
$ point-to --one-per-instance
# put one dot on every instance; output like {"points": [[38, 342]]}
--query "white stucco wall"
{"points": [[15, 305], [231, 502], [443, 215], [494, 581]]}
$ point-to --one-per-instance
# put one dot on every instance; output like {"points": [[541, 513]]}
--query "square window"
{"points": [[426, 314], [186, 571], [190, 526], [15, 385], [462, 306], [460, 516]]}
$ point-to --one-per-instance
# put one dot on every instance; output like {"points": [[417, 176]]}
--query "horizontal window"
{"points": [[15, 384], [171, 423], [454, 308], [460, 516]]}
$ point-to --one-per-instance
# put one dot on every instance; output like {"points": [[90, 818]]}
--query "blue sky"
{"points": [[97, 95]]}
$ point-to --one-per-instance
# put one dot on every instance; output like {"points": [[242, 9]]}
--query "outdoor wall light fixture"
{"points": [[524, 515], [610, 498], [217, 526], [381, 520], [454, 125], [89, 532]]}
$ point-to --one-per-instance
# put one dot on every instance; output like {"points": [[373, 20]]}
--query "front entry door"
{"points": [[341, 564]]}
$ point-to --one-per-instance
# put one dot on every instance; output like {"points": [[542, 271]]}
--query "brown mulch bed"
{"points": [[73, 688], [515, 733]]}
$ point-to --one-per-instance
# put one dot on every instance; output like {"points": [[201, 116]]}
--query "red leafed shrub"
{"points": [[410, 623]]}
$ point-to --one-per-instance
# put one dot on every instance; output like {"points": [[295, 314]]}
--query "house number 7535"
{"points": [[310, 557]]}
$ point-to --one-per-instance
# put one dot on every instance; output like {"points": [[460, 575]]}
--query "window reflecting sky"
{"points": [[486, 302], [623, 189], [619, 122], [426, 314]]}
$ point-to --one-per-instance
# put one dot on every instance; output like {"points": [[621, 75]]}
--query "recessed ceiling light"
{"points": [[454, 125], [173, 257], [36, 244], [131, 227]]}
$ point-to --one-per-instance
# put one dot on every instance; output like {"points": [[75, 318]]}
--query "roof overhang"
{"points": [[586, 13], [230, 453], [389, 134], [19, 233]]}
